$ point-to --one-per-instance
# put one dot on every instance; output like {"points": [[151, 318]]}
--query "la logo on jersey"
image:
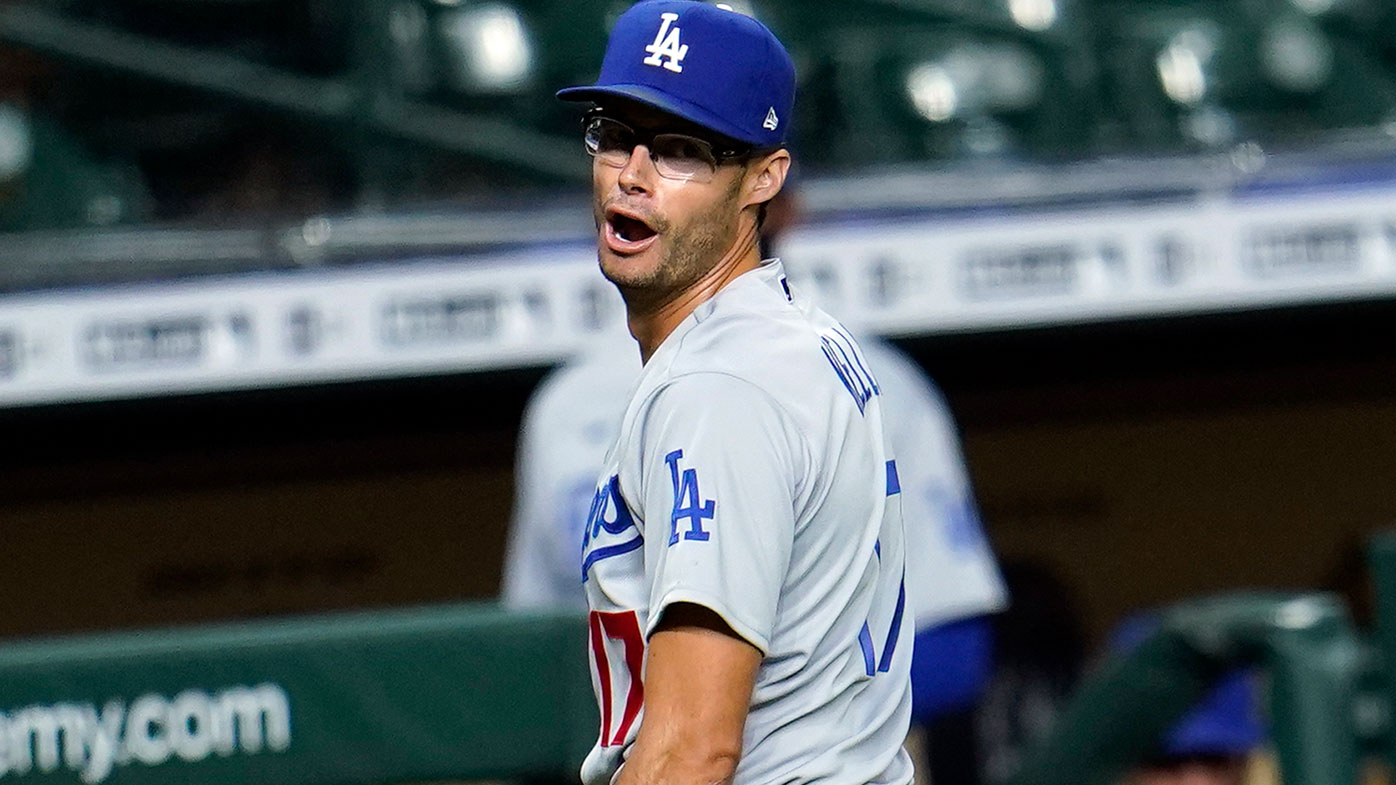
{"points": [[686, 504], [667, 50]]}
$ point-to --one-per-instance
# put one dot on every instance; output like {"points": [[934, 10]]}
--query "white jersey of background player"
{"points": [[573, 417], [751, 476]]}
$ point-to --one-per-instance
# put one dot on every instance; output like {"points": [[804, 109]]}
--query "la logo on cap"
{"points": [[772, 122], [666, 50]]}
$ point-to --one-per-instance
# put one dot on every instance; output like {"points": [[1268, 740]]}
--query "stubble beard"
{"points": [[687, 253]]}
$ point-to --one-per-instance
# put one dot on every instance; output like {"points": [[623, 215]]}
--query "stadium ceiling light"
{"points": [[1013, 77], [1296, 56], [975, 79], [933, 92], [489, 48], [1182, 65], [16, 142], [1034, 15]]}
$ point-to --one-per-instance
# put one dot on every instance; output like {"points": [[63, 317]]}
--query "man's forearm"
{"points": [[667, 765], [698, 682]]}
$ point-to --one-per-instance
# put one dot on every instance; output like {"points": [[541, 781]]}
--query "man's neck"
{"points": [[651, 326]]}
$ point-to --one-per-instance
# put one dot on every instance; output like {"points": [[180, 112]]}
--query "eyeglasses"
{"points": [[675, 156]]}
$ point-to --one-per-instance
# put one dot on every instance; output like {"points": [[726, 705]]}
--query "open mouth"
{"points": [[628, 229], [626, 233]]}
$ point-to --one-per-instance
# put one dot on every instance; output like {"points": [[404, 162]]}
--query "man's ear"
{"points": [[766, 177]]}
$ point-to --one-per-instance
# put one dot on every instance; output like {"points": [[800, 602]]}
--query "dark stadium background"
{"points": [[1218, 452], [1216, 414]]}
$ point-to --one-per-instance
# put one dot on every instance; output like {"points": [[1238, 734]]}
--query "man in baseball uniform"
{"points": [[952, 578], [743, 558]]}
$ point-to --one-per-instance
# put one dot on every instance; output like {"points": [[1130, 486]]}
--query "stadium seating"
{"points": [[882, 83]]}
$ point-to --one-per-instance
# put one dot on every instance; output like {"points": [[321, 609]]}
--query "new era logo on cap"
{"points": [[709, 65]]}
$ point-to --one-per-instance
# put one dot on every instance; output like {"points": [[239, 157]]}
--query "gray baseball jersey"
{"points": [[573, 417], [751, 476]]}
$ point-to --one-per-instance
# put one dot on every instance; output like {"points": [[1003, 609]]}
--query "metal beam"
{"points": [[321, 99]]}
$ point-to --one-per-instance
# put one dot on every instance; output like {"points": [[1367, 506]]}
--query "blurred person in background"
{"points": [[952, 577], [1218, 742]]}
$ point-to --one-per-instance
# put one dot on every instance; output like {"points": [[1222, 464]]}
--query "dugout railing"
{"points": [[1305, 647]]}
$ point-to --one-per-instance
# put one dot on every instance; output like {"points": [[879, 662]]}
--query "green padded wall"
{"points": [[461, 692]]}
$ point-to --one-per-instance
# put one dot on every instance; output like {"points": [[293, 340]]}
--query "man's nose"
{"points": [[638, 173]]}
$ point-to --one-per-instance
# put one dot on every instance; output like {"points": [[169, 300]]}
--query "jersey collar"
{"points": [[771, 274]]}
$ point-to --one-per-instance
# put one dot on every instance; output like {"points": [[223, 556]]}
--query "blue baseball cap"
{"points": [[1225, 722], [707, 64]]}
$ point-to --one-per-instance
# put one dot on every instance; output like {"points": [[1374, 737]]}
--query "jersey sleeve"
{"points": [[721, 463]]}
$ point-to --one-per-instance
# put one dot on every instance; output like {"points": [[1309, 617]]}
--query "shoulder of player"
{"points": [[740, 405], [769, 344], [747, 341], [753, 361]]}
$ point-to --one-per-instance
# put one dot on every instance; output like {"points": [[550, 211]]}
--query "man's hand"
{"points": [[698, 681]]}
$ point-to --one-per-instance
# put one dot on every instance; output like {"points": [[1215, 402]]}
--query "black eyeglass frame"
{"points": [[720, 154]]}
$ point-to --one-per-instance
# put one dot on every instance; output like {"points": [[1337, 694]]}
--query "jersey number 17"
{"points": [[618, 654]]}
